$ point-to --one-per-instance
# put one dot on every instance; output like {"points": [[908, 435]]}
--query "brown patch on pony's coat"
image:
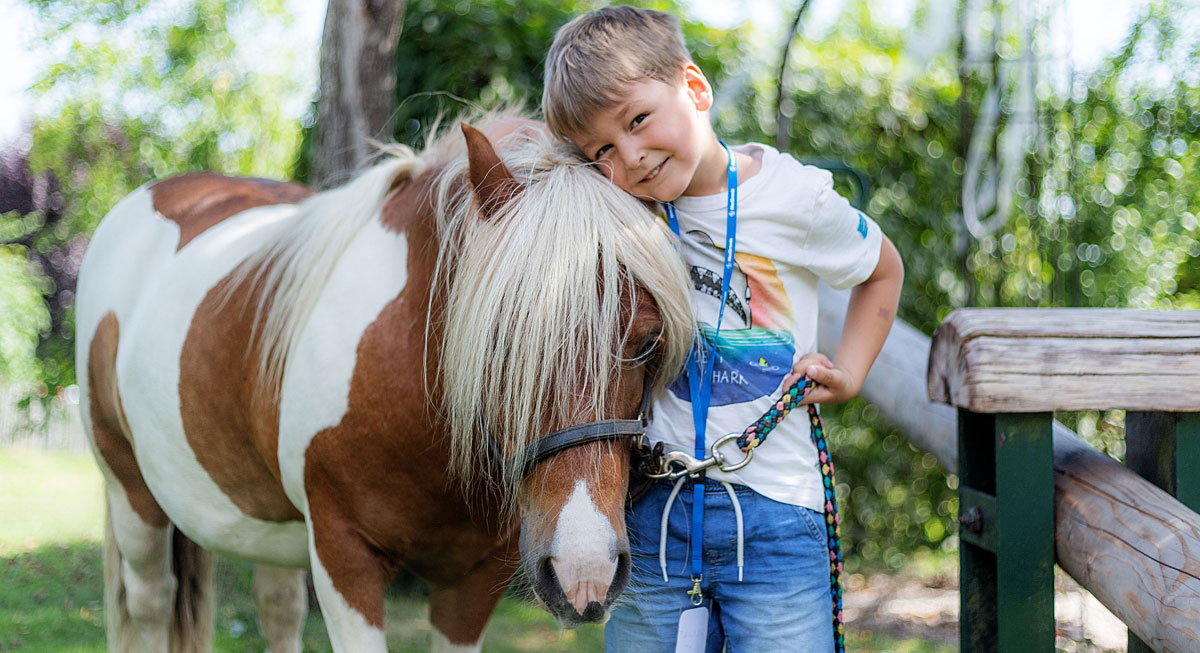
{"points": [[230, 421], [461, 611], [374, 501], [109, 428], [200, 200]]}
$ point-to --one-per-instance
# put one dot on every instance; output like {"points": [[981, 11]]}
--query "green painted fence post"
{"points": [[1006, 533]]}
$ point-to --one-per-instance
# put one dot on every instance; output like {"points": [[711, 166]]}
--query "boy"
{"points": [[758, 230]]}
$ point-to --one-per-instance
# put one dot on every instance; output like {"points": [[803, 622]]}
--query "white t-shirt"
{"points": [[792, 229]]}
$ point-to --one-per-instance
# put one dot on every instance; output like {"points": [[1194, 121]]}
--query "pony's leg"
{"points": [[350, 579], [143, 597], [143, 594], [459, 613], [144, 570], [281, 596]]}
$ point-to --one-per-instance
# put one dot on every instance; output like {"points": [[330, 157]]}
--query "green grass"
{"points": [[48, 496], [865, 642], [50, 602], [51, 576], [50, 599], [51, 580]]}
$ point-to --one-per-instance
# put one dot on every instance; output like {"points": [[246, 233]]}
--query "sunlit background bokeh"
{"points": [[1018, 152]]}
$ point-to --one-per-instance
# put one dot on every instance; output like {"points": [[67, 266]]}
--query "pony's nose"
{"points": [[589, 589], [585, 586]]}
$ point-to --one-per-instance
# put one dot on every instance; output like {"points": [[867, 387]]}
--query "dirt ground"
{"points": [[907, 605]]}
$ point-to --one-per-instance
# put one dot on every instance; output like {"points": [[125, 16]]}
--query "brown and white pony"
{"points": [[346, 381]]}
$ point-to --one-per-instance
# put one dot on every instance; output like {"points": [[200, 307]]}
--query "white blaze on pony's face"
{"points": [[584, 553], [586, 564]]}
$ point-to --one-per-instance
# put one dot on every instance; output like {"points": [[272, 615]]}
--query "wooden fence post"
{"points": [[1006, 534]]}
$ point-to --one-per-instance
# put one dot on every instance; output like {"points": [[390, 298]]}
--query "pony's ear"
{"points": [[494, 185]]}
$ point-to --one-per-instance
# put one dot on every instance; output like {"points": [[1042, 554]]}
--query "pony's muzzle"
{"points": [[578, 595]]}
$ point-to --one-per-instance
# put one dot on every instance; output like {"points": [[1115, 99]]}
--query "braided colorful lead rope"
{"points": [[756, 433]]}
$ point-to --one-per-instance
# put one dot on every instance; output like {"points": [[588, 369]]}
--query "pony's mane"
{"points": [[299, 255], [533, 324], [532, 330]]}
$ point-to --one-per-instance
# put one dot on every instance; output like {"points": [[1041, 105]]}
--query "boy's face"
{"points": [[651, 142]]}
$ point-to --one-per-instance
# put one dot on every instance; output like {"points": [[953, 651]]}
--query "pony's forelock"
{"points": [[534, 302]]}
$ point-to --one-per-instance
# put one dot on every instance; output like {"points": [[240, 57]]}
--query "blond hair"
{"points": [[535, 295], [532, 324], [596, 55]]}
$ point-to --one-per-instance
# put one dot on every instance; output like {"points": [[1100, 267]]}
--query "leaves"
{"points": [[498, 49], [1105, 214], [131, 91]]}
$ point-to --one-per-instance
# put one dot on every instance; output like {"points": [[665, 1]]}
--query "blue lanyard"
{"points": [[700, 372]]}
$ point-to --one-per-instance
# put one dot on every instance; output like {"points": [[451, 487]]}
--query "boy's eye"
{"points": [[600, 152], [637, 120]]}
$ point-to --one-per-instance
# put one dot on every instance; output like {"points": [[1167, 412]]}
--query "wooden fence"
{"points": [[57, 427], [1131, 544], [1028, 496]]}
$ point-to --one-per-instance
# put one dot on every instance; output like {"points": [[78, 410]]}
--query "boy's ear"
{"points": [[698, 89], [494, 185]]}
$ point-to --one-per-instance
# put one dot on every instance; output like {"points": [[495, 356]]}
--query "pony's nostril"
{"points": [[594, 613], [620, 577], [546, 577]]}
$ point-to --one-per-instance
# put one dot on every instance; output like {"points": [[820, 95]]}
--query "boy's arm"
{"points": [[869, 317]]}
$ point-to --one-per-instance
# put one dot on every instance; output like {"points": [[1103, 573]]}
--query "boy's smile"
{"points": [[656, 141]]}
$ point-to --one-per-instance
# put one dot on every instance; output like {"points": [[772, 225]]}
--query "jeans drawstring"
{"points": [[662, 531], [737, 511]]}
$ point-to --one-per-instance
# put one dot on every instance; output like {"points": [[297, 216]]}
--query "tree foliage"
{"points": [[132, 91], [1105, 211], [452, 55], [39, 260]]}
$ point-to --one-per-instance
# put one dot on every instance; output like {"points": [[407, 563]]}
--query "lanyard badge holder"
{"points": [[700, 368]]}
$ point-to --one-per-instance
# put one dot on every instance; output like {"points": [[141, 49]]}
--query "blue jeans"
{"points": [[782, 603]]}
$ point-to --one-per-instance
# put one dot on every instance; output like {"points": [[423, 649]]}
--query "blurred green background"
{"points": [[1086, 189]]}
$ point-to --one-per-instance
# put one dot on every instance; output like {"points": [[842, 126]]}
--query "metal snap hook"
{"points": [[719, 457]]}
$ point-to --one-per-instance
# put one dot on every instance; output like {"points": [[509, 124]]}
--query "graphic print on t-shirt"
{"points": [[756, 344]]}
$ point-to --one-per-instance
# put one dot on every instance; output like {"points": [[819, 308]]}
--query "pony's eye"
{"points": [[647, 348]]}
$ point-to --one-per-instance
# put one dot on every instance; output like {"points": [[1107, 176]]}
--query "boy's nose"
{"points": [[632, 157]]}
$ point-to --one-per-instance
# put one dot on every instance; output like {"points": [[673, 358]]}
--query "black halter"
{"points": [[581, 434]]}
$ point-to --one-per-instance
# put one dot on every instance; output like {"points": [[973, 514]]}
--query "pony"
{"points": [[353, 381]]}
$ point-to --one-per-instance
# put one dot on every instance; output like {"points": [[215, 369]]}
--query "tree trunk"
{"points": [[358, 81]]}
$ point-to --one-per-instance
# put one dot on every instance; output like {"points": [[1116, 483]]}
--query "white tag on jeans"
{"points": [[693, 630]]}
